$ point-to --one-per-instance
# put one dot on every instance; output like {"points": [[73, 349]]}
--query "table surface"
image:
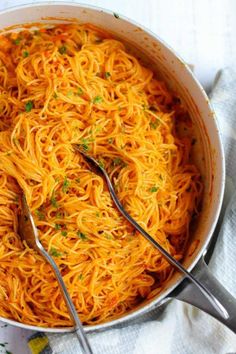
{"points": [[202, 31]]}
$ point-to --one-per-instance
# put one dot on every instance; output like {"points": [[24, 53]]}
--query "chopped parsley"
{"points": [[54, 252], [110, 140], [39, 214], [57, 226], [53, 200], [144, 106], [29, 105], [117, 161], [64, 233], [116, 15], [80, 277], [85, 144], [55, 95], [62, 49], [81, 235], [101, 163], [153, 189], [79, 91], [65, 185], [108, 237], [17, 41], [25, 54], [69, 93], [97, 99], [154, 125], [107, 74]]}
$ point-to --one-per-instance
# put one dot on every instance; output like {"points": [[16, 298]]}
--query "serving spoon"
{"points": [[28, 232], [99, 169]]}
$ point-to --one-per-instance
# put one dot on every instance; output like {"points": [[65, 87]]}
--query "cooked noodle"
{"points": [[75, 84]]}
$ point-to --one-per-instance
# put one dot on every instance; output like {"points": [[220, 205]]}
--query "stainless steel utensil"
{"points": [[28, 232], [94, 165]]}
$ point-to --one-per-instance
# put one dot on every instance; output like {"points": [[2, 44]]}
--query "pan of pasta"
{"points": [[73, 74]]}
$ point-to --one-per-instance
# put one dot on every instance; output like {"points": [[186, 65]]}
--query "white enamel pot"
{"points": [[208, 152]]}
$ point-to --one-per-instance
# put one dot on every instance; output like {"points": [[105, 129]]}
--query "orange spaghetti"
{"points": [[76, 84]]}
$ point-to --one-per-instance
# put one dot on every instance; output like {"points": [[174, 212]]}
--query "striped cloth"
{"points": [[178, 328]]}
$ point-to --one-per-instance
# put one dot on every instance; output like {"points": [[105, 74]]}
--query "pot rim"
{"points": [[159, 300]]}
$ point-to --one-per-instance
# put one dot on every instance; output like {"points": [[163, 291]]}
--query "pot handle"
{"points": [[188, 292]]}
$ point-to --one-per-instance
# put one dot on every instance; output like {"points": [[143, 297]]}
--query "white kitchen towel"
{"points": [[180, 328]]}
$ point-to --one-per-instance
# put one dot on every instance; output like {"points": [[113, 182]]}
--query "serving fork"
{"points": [[28, 232], [98, 168]]}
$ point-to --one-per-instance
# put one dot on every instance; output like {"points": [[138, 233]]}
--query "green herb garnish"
{"points": [[107, 74], [69, 93], [65, 185], [108, 237], [80, 277], [153, 189], [154, 124], [79, 91], [62, 49], [81, 235], [17, 41], [39, 214], [117, 161], [29, 105], [64, 233], [54, 252], [116, 15], [144, 106], [57, 226], [55, 95], [101, 163], [54, 200], [85, 143], [110, 140], [25, 54], [77, 180], [97, 99]]}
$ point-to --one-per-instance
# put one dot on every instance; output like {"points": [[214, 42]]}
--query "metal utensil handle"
{"points": [[29, 233], [79, 331], [187, 292], [204, 290]]}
